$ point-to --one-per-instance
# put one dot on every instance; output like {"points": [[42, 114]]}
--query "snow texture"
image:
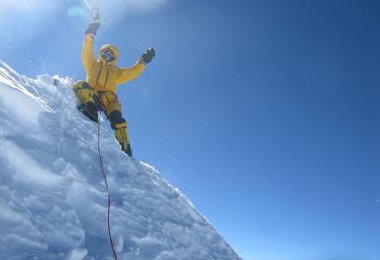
{"points": [[53, 201]]}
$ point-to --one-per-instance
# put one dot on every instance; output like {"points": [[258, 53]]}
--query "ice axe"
{"points": [[95, 24], [94, 11], [95, 15]]}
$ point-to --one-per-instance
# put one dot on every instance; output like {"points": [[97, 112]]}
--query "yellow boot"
{"points": [[122, 137]]}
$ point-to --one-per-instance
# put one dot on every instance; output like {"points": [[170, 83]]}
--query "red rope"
{"points": [[109, 196]]}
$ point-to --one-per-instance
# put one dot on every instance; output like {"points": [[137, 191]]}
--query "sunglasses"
{"points": [[108, 55]]}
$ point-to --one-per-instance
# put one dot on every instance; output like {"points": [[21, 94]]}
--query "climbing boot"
{"points": [[122, 137]]}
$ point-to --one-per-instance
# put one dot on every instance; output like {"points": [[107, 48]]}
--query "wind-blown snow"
{"points": [[53, 202]]}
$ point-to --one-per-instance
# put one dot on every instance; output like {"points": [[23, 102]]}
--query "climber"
{"points": [[98, 92]]}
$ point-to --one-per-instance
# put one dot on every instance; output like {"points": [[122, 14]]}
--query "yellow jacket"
{"points": [[103, 75]]}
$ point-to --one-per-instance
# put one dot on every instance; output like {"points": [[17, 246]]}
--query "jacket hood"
{"points": [[114, 50]]}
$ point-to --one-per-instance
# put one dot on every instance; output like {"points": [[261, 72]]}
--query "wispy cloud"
{"points": [[25, 6], [27, 16], [114, 10], [110, 10], [6, 5], [126, 6]]}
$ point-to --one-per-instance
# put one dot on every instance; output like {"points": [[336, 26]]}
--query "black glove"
{"points": [[93, 27], [148, 56]]}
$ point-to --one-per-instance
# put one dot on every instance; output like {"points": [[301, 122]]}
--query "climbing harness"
{"points": [[108, 192]]}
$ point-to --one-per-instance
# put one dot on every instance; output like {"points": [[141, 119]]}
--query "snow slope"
{"points": [[53, 202]]}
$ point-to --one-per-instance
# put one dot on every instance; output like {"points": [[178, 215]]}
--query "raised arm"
{"points": [[131, 73], [127, 74], [88, 57]]}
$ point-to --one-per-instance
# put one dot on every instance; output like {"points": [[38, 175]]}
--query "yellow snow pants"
{"points": [[91, 101]]}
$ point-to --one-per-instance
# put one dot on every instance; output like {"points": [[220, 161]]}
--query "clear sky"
{"points": [[264, 112]]}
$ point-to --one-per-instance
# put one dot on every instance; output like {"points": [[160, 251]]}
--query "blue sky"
{"points": [[265, 113]]}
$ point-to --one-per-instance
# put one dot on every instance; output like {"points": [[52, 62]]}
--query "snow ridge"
{"points": [[52, 195]]}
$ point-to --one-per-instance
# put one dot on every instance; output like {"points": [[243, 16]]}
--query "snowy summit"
{"points": [[53, 200]]}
